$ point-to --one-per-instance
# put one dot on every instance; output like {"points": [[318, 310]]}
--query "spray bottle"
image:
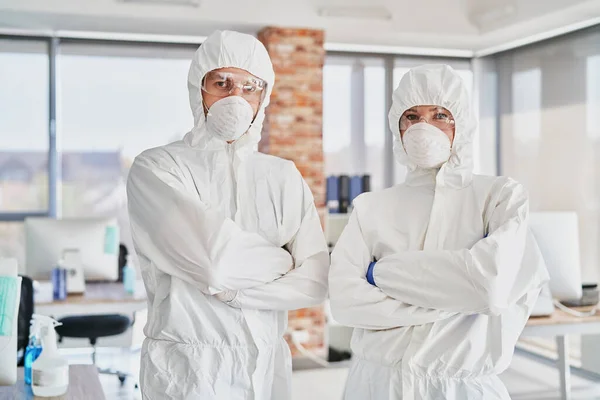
{"points": [[50, 372], [33, 349]]}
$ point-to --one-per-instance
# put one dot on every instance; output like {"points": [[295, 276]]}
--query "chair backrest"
{"points": [[123, 253], [25, 315]]}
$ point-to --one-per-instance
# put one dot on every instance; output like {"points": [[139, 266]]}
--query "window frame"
{"points": [[52, 164]]}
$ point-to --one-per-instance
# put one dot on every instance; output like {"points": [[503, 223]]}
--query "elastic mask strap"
{"points": [[205, 108]]}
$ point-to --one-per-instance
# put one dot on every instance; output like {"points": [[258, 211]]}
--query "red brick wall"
{"points": [[294, 130]]}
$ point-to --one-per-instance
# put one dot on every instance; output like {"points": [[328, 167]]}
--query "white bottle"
{"points": [[50, 372]]}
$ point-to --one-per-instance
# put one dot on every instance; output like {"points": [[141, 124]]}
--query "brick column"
{"points": [[293, 130]]}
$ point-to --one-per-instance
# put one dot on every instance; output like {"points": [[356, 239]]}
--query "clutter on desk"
{"points": [[68, 276], [59, 281], [590, 297], [75, 276], [50, 371], [343, 189]]}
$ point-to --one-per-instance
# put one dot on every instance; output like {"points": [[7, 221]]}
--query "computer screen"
{"points": [[96, 239], [557, 235]]}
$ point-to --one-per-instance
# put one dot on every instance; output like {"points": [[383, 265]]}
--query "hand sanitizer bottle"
{"points": [[33, 349], [129, 276], [50, 372]]}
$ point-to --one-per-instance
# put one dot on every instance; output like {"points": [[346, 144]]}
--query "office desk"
{"points": [[99, 298], [84, 384], [560, 325]]}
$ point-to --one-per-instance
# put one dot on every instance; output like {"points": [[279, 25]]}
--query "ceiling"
{"points": [[443, 24]]}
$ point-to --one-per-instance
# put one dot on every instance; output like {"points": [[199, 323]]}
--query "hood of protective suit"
{"points": [[227, 49], [437, 85]]}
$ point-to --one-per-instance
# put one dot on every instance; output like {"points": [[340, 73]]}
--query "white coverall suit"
{"points": [[457, 270], [209, 217]]}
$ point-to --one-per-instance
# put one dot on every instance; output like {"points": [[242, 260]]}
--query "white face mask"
{"points": [[426, 145], [229, 118]]}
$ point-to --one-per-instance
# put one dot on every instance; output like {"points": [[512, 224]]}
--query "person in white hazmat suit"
{"points": [[437, 275], [228, 239]]}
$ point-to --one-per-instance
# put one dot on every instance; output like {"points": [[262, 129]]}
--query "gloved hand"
{"points": [[370, 270], [227, 296]]}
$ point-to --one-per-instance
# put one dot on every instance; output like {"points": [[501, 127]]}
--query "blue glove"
{"points": [[370, 271]]}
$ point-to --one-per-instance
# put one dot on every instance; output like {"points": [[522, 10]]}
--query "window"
{"points": [[24, 83], [593, 97], [354, 125], [486, 146], [375, 123], [23, 126], [115, 102], [336, 116], [548, 134], [12, 241], [400, 171], [525, 122], [527, 102]]}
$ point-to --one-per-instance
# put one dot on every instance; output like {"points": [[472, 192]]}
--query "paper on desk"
{"points": [[10, 310], [9, 303]]}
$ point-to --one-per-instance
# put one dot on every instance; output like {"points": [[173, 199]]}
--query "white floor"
{"points": [[526, 380]]}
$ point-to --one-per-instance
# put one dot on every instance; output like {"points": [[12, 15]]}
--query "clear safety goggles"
{"points": [[223, 84], [434, 115]]}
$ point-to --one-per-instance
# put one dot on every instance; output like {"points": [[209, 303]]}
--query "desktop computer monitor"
{"points": [[96, 239], [557, 235]]}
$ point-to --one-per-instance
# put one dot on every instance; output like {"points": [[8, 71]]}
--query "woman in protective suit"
{"points": [[438, 275]]}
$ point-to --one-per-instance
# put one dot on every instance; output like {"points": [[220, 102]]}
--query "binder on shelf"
{"points": [[344, 193], [332, 193], [366, 183], [356, 187]]}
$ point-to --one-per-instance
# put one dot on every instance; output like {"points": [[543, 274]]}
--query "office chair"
{"points": [[24, 318], [123, 253], [94, 327]]}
